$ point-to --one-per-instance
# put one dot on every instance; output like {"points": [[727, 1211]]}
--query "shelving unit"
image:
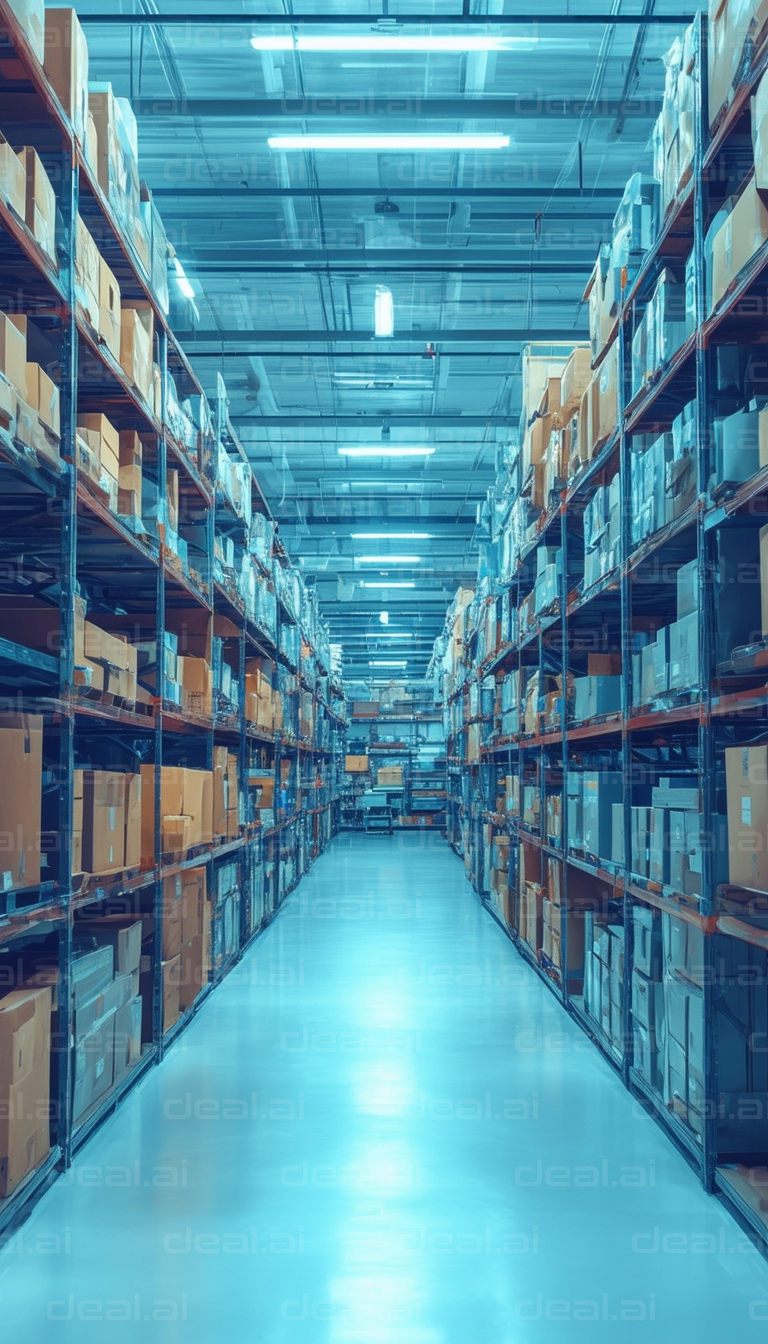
{"points": [[62, 546], [509, 809], [410, 742]]}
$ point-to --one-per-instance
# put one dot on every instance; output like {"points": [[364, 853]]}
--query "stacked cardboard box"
{"points": [[25, 1035], [684, 1080], [107, 821], [21, 776], [106, 1010], [259, 696], [226, 806], [29, 399], [670, 661], [186, 806], [604, 976], [599, 692], [647, 1003], [602, 532]]}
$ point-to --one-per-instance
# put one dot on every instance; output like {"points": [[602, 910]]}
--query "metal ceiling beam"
{"points": [[357, 261], [459, 19], [196, 354], [245, 340], [537, 193], [547, 108], [360, 421]]}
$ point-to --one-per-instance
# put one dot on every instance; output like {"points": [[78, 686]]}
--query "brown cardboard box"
{"points": [[101, 109], [193, 896], [13, 185], [66, 65], [87, 273], [132, 821], [356, 765], [13, 354], [108, 438], [604, 665], [21, 775], [575, 380], [172, 915], [103, 821], [198, 804], [746, 779], [172, 800], [192, 974], [739, 238], [30, 16], [25, 1027], [109, 309], [390, 776], [40, 206], [196, 677], [219, 792], [136, 337], [43, 396], [177, 834], [116, 657], [171, 980], [77, 823], [127, 1037], [608, 396], [265, 783], [129, 473], [172, 499]]}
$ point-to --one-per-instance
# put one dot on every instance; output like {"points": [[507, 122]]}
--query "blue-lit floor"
{"points": [[381, 1130]]}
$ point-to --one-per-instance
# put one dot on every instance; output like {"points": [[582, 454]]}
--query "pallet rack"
{"points": [[61, 541], [398, 737], [682, 732]]}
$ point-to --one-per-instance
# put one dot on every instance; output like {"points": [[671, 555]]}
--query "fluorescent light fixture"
{"points": [[392, 536], [383, 312], [393, 43], [384, 143], [384, 617], [382, 450], [388, 662], [392, 634], [385, 584], [385, 560]]}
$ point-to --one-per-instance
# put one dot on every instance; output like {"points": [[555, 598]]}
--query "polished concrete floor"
{"points": [[381, 1130]]}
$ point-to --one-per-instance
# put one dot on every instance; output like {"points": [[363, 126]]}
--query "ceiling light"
{"points": [[459, 140], [382, 450], [386, 584], [388, 662], [393, 536], [182, 281], [385, 560], [384, 617], [392, 634], [383, 312], [396, 43]]}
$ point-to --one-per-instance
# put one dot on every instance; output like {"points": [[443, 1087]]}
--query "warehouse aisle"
{"points": [[381, 1128]]}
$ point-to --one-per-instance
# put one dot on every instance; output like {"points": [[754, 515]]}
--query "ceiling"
{"points": [[482, 251]]}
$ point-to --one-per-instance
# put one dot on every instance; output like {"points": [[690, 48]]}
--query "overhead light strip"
{"points": [[385, 560], [381, 450], [447, 43], [415, 141], [390, 536], [384, 583]]}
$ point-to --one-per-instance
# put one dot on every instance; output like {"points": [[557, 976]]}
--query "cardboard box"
{"points": [[87, 261], [132, 820], [40, 201], [265, 785], [129, 478], [172, 915], [13, 182], [66, 65], [192, 971], [13, 354], [25, 1030], [127, 1037], [120, 932], [746, 776], [77, 823], [575, 380], [109, 309], [356, 765], [136, 345], [21, 774], [196, 679], [390, 776], [171, 973], [94, 1066], [103, 821], [43, 396], [736, 242], [193, 897], [176, 834], [30, 16]]}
